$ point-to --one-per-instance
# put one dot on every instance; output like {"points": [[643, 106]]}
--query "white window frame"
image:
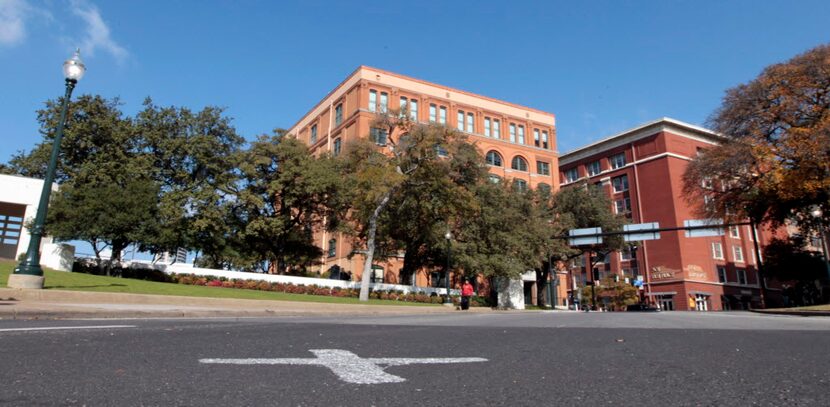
{"points": [[373, 100], [539, 165], [571, 175], [496, 128], [471, 122], [413, 109], [521, 134], [544, 139], [734, 232], [536, 137], [487, 131], [593, 168], [384, 102], [623, 185], [512, 133], [717, 251], [738, 254], [313, 134], [617, 161], [460, 120], [442, 115], [433, 113]]}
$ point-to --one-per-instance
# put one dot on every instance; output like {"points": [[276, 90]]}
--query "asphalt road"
{"points": [[531, 359]]}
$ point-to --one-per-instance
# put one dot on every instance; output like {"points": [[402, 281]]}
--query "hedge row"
{"points": [[210, 281]]}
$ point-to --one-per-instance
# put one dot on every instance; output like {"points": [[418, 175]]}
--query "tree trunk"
{"points": [[370, 247]]}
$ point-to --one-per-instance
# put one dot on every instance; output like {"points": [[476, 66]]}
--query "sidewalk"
{"points": [[57, 304]]}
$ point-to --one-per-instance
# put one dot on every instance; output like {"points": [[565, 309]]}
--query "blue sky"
{"points": [[600, 66]]}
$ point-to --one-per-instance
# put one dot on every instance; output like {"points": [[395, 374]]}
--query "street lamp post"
{"points": [[28, 273], [447, 299]]}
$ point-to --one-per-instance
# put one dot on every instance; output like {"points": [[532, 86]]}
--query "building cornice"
{"points": [[649, 129]]}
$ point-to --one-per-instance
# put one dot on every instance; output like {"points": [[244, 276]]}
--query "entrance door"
{"points": [[702, 302], [666, 302], [11, 225]]}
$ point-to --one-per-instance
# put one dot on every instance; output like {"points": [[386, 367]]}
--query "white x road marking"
{"points": [[347, 366]]}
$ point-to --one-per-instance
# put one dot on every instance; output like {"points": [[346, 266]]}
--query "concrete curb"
{"points": [[60, 304], [793, 312]]}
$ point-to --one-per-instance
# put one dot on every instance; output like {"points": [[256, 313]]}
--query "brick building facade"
{"points": [[641, 170], [518, 142]]}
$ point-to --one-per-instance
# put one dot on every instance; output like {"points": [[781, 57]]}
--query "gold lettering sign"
{"points": [[695, 272], [662, 272]]}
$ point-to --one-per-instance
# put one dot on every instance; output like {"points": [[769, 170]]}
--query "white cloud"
{"points": [[12, 21], [97, 31]]}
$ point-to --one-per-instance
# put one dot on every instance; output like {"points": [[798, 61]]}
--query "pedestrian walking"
{"points": [[466, 293]]}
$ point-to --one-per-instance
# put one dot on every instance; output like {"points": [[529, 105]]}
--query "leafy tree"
{"points": [[191, 158], [774, 161], [285, 192], [587, 206], [434, 194], [790, 261], [95, 134], [613, 292]]}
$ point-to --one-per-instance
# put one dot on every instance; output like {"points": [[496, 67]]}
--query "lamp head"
{"points": [[73, 68]]}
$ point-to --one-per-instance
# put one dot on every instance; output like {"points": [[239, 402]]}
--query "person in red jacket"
{"points": [[466, 293]]}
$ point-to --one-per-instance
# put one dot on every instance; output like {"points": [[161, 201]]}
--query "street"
{"points": [[531, 358]]}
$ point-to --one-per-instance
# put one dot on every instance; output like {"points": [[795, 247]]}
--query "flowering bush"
{"points": [[211, 281]]}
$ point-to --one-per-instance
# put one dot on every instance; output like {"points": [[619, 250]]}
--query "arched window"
{"points": [[332, 247], [519, 164], [520, 185], [543, 187], [494, 178], [494, 159]]}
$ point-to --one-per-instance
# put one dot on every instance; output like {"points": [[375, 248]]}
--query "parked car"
{"points": [[642, 308]]}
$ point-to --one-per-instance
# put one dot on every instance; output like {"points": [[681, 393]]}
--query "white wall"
{"points": [[24, 191], [179, 268]]}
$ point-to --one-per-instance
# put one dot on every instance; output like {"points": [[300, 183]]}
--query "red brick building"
{"points": [[518, 142], [641, 169]]}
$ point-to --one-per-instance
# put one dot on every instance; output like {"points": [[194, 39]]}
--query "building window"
{"points": [[521, 134], [384, 102], [518, 164], [460, 120], [338, 114], [620, 183], [337, 143], [542, 168], [493, 158], [378, 135], [593, 168], [623, 206], [332, 247], [470, 123], [512, 133], [741, 276], [413, 109], [433, 113], [536, 137], [738, 254], [617, 161], [313, 134], [494, 178], [734, 232], [373, 100], [625, 254], [487, 126], [544, 187], [707, 183], [571, 175], [496, 129], [544, 139], [520, 185], [441, 151], [722, 274], [403, 107], [717, 251], [443, 117]]}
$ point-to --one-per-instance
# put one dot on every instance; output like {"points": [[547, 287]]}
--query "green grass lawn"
{"points": [[823, 307], [87, 282]]}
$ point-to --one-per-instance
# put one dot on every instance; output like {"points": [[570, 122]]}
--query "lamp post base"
{"points": [[25, 281]]}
